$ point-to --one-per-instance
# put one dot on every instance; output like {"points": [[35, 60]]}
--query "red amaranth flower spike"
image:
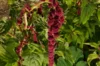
{"points": [[19, 50], [19, 21], [35, 37], [55, 21], [27, 6], [34, 33], [53, 3], [24, 9]]}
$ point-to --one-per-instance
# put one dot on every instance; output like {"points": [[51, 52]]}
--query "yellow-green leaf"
{"points": [[92, 57]]}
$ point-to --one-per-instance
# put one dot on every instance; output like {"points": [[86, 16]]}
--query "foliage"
{"points": [[78, 43]]}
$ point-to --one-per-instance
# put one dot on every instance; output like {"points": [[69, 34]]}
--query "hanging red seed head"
{"points": [[55, 20], [35, 37], [24, 9], [34, 33], [19, 21]]}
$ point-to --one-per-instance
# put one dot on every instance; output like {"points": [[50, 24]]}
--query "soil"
{"points": [[4, 8]]}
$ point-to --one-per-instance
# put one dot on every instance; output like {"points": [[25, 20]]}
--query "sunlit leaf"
{"points": [[92, 57], [68, 2], [94, 45], [98, 63]]}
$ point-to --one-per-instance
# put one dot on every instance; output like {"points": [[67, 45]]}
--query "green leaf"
{"points": [[84, 3], [59, 53], [81, 63], [7, 51], [34, 55], [12, 64], [68, 2], [10, 2], [92, 57], [76, 53], [11, 44], [98, 63], [86, 12], [6, 27], [2, 63], [98, 14], [73, 55], [35, 59], [93, 44], [3, 53], [62, 62]]}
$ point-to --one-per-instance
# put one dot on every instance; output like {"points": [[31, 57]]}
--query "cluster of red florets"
{"points": [[25, 42], [55, 21], [27, 9], [19, 49]]}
